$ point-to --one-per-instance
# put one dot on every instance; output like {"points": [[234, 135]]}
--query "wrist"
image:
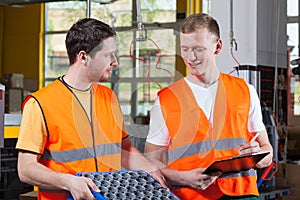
{"points": [[65, 179], [151, 169], [182, 178], [176, 177]]}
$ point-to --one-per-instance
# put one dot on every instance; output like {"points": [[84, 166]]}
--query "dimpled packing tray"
{"points": [[127, 185]]}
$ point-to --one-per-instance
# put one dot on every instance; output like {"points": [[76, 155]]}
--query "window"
{"points": [[136, 95], [59, 16]]}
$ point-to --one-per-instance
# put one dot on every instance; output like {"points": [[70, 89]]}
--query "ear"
{"points": [[218, 46], [82, 57]]}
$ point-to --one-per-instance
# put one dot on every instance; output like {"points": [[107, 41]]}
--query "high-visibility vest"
{"points": [[195, 143], [76, 144]]}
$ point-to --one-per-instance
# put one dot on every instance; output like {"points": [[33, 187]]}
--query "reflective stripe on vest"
{"points": [[250, 172], [205, 146], [82, 153]]}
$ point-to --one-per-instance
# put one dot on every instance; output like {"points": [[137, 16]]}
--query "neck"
{"points": [[75, 78], [204, 80]]}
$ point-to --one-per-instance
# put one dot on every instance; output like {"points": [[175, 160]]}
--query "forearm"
{"points": [[193, 178], [38, 175], [132, 159], [173, 177], [265, 146], [260, 143], [268, 159], [32, 172]]}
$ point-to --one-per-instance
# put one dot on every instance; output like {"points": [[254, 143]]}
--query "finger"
{"points": [[201, 186], [255, 147], [242, 146], [92, 185], [216, 174], [90, 195], [207, 181], [162, 181]]}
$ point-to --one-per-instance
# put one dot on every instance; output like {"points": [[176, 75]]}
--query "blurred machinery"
{"points": [[14, 92], [10, 185], [265, 176], [296, 70]]}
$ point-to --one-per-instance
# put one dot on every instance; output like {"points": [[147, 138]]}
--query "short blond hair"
{"points": [[198, 21]]}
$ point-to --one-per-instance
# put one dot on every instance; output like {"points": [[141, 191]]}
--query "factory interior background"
{"points": [[260, 44]]}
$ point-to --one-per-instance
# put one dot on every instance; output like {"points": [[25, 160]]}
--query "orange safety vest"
{"points": [[195, 143], [74, 143]]}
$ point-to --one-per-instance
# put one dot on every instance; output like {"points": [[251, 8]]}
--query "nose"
{"points": [[191, 55], [114, 61]]}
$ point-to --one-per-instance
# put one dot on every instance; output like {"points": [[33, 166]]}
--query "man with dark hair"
{"points": [[76, 125], [204, 117]]}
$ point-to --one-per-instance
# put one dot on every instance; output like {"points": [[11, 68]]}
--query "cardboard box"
{"points": [[292, 176], [291, 179], [291, 144], [29, 196], [286, 176]]}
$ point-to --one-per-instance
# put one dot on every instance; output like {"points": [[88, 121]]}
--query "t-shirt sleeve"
{"points": [[255, 121], [158, 132], [33, 134]]}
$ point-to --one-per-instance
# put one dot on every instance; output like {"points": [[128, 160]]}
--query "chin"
{"points": [[103, 79], [195, 71]]}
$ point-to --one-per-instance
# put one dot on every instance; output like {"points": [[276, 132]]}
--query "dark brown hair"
{"points": [[85, 35]]}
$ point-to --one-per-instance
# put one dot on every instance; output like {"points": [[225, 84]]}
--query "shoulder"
{"points": [[251, 88], [234, 82], [30, 102], [30, 107], [47, 89], [172, 87], [232, 78]]}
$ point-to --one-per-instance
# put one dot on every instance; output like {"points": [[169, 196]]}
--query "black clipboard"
{"points": [[235, 164]]}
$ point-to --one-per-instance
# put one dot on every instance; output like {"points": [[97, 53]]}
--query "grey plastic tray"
{"points": [[128, 185]]}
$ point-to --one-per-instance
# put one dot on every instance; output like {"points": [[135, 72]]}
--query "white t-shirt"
{"points": [[158, 132]]}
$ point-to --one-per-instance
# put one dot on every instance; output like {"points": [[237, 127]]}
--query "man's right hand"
{"points": [[80, 187]]}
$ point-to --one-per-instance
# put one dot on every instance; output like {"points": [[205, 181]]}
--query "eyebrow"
{"points": [[183, 46], [108, 52]]}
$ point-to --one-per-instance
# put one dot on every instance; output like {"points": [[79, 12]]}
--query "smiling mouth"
{"points": [[194, 65]]}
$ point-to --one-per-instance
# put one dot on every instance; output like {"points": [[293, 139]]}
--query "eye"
{"points": [[109, 55], [184, 49], [198, 49]]}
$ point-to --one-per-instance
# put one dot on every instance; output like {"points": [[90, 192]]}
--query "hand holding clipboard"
{"points": [[236, 163]]}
